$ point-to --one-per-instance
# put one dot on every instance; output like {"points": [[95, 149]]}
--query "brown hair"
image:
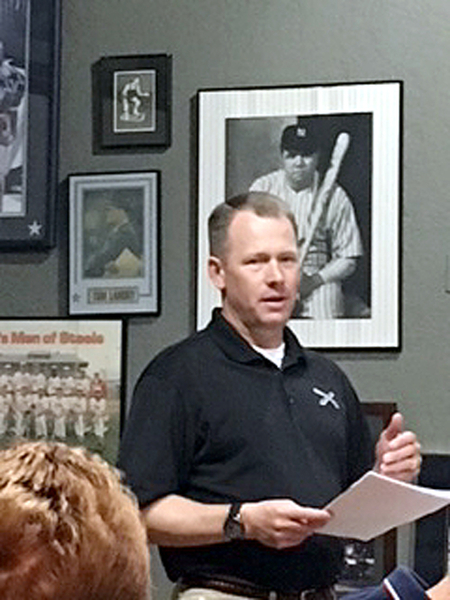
{"points": [[262, 204], [69, 530]]}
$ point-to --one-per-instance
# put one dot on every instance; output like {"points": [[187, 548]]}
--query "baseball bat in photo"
{"points": [[323, 193]]}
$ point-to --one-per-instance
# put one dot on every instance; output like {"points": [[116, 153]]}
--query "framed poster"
{"points": [[29, 72], [131, 99], [114, 243], [432, 550], [367, 563], [252, 139], [62, 380]]}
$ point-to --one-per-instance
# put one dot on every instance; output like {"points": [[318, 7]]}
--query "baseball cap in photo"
{"points": [[119, 200], [302, 138]]}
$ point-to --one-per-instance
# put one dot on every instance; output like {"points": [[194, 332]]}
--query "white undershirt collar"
{"points": [[275, 355]]}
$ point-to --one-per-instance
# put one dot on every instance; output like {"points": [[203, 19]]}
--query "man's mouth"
{"points": [[274, 299]]}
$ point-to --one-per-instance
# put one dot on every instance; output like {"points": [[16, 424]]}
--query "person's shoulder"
{"points": [[317, 361], [265, 182], [179, 356], [340, 195]]}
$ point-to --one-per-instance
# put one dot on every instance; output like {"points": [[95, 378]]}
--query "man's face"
{"points": [[113, 215], [299, 168], [258, 276]]}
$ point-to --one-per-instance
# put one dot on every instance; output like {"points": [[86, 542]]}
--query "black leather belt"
{"points": [[243, 588]]}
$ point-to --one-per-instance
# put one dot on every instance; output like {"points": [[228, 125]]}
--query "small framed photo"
{"points": [[131, 98], [62, 379], [367, 563], [114, 243], [332, 152], [29, 107]]}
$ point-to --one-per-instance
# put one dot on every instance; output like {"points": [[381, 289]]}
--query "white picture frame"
{"points": [[238, 139], [105, 280]]}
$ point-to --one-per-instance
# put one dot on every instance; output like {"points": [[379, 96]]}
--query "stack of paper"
{"points": [[375, 504]]}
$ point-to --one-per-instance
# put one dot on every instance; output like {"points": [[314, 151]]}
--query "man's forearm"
{"points": [[178, 521], [279, 523], [338, 269]]}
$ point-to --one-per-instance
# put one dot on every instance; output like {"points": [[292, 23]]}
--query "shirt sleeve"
{"points": [[360, 442], [345, 236], [156, 446], [260, 185]]}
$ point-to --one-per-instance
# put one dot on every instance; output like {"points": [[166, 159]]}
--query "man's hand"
{"points": [[309, 283], [281, 523], [441, 591], [398, 451]]}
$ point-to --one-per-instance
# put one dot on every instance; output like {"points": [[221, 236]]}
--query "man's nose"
{"points": [[274, 271]]}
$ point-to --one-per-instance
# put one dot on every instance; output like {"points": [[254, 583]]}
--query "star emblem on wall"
{"points": [[35, 228]]}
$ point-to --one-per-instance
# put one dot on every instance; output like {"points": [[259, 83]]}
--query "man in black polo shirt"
{"points": [[237, 436]]}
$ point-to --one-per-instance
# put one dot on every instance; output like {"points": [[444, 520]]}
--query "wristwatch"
{"points": [[233, 528]]}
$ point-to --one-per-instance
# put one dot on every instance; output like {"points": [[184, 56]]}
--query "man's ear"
{"points": [[216, 272]]}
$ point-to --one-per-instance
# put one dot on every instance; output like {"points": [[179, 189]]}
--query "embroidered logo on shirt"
{"points": [[326, 398]]}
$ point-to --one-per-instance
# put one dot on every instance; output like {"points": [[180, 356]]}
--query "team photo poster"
{"points": [[61, 380]]}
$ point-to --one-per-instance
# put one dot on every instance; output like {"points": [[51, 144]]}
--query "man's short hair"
{"points": [[69, 530], [262, 204]]}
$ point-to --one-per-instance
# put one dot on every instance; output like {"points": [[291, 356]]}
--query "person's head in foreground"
{"points": [[69, 530]]}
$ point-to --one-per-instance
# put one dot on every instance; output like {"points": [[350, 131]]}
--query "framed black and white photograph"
{"points": [[29, 82], [62, 380], [132, 103], [333, 153], [114, 243], [367, 563], [432, 539]]}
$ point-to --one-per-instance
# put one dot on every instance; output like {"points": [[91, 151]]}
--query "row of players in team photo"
{"points": [[55, 404]]}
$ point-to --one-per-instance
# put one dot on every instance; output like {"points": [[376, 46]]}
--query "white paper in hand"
{"points": [[375, 504]]}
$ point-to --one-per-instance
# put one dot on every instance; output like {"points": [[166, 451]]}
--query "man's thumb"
{"points": [[395, 427]]}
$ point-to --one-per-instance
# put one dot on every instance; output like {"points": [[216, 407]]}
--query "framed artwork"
{"points": [[114, 243], [432, 551], [346, 201], [29, 79], [367, 563], [131, 98], [62, 380]]}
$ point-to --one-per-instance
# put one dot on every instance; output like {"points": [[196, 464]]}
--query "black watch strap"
{"points": [[233, 528]]}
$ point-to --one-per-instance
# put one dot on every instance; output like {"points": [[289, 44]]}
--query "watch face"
{"points": [[233, 530]]}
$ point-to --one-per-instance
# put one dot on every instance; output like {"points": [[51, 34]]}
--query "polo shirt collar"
{"points": [[238, 349]]}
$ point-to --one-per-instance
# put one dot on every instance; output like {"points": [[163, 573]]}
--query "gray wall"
{"points": [[232, 43]]}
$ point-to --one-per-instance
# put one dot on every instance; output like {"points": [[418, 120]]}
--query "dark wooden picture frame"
{"points": [[30, 36], [367, 563], [131, 101], [48, 388], [431, 555]]}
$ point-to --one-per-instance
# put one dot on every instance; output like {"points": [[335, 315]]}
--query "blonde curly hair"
{"points": [[69, 530]]}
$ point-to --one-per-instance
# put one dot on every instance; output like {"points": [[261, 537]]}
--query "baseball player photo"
{"points": [[13, 106], [320, 165]]}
